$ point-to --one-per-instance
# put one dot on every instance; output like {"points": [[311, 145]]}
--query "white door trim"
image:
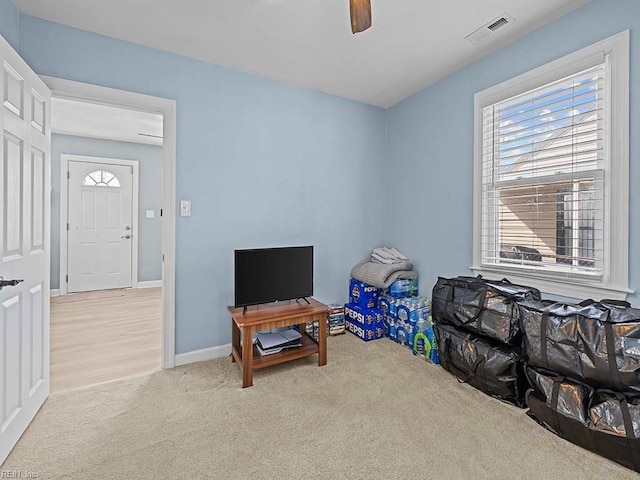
{"points": [[104, 95], [65, 158], [150, 284]]}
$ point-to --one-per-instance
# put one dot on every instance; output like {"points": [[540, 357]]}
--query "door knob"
{"points": [[127, 236], [8, 283]]}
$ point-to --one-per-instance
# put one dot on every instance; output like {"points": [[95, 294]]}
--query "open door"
{"points": [[25, 201]]}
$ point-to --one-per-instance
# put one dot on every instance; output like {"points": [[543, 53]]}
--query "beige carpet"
{"points": [[374, 412]]}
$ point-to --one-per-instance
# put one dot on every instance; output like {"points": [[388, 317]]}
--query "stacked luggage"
{"points": [[583, 364], [477, 326], [576, 367]]}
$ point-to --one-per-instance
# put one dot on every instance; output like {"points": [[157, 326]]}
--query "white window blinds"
{"points": [[543, 167]]}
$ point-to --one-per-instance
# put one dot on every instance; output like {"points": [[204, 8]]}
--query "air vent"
{"points": [[489, 28], [501, 22]]}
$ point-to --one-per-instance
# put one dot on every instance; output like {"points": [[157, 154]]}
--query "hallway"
{"points": [[105, 335]]}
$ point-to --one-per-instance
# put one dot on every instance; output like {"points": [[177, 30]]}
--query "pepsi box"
{"points": [[362, 294], [366, 323]]}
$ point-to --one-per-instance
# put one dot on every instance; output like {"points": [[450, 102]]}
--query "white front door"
{"points": [[100, 226], [25, 200]]}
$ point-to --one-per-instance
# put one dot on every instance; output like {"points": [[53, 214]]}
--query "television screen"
{"points": [[268, 274]]}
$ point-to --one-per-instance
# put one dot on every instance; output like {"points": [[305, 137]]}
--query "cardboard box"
{"points": [[362, 294], [365, 332], [366, 323], [367, 316]]}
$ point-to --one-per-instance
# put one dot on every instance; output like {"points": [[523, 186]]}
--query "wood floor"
{"points": [[101, 336]]}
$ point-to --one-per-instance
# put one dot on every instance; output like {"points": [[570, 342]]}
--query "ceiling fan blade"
{"points": [[360, 15]]}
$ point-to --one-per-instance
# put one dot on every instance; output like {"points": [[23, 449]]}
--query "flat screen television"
{"points": [[266, 275]]}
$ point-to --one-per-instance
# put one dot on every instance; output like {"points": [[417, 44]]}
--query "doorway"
{"points": [[131, 328], [102, 327]]}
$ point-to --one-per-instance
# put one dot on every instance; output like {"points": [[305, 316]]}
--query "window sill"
{"points": [[569, 287]]}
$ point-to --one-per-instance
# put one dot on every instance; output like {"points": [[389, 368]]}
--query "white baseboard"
{"points": [[203, 355], [54, 292], [150, 284]]}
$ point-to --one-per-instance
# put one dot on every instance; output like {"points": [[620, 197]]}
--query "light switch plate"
{"points": [[151, 214], [185, 208]]}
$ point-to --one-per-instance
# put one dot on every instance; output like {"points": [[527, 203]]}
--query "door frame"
{"points": [[109, 96], [65, 158]]}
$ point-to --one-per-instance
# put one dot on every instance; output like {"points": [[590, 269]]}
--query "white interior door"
{"points": [[100, 226], [25, 199]]}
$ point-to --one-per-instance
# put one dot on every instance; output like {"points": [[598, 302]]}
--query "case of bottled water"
{"points": [[408, 322], [403, 288]]}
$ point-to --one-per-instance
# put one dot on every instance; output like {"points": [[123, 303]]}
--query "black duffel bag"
{"points": [[595, 342], [602, 421], [489, 366], [481, 306]]}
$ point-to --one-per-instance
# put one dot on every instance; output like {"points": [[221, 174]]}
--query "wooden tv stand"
{"points": [[274, 315]]}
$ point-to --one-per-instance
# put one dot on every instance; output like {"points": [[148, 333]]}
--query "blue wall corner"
{"points": [[430, 144]]}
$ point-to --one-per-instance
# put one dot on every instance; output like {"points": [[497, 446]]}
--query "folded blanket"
{"points": [[378, 259], [387, 255], [396, 253], [381, 275]]}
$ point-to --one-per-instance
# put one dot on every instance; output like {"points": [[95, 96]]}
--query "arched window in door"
{"points": [[100, 178]]}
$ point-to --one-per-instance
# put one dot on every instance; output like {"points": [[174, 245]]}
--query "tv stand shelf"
{"points": [[266, 317]]}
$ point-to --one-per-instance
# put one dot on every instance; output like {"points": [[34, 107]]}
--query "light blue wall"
{"points": [[149, 159], [264, 163], [430, 142], [9, 23]]}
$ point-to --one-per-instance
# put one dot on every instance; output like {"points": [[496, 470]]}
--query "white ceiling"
{"points": [[412, 44], [72, 117]]}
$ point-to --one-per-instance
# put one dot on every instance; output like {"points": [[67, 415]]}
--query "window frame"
{"points": [[100, 184], [613, 283]]}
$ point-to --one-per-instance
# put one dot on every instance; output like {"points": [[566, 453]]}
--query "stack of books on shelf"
{"points": [[276, 340]]}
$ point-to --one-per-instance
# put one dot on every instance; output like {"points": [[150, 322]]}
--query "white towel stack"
{"points": [[387, 256]]}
